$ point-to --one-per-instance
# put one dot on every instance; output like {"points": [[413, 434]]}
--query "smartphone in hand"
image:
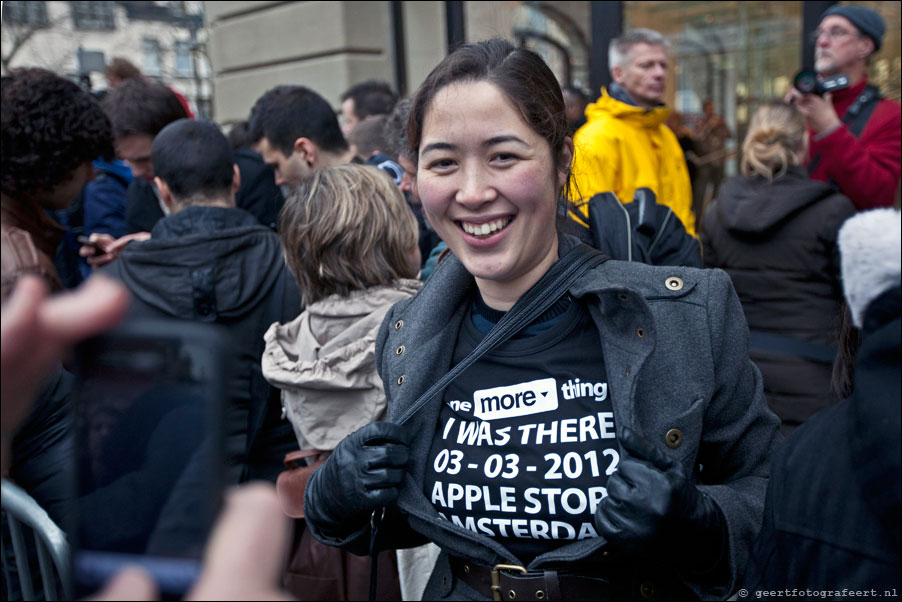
{"points": [[149, 401], [86, 241]]}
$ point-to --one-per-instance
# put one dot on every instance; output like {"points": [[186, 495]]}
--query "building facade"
{"points": [[166, 40], [737, 54]]}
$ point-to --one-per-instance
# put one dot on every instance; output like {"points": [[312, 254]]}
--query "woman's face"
{"points": [[488, 184]]}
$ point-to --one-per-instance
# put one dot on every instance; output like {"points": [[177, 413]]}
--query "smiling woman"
{"points": [[560, 463], [488, 185]]}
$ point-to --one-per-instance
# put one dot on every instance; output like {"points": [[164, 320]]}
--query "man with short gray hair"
{"points": [[624, 144]]}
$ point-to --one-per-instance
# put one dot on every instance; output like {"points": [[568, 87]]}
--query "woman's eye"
{"points": [[441, 164], [504, 158]]}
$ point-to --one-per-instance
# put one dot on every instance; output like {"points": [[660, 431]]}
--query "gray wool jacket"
{"points": [[675, 344]]}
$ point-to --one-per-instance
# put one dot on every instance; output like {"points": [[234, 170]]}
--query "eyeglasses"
{"points": [[834, 33]]}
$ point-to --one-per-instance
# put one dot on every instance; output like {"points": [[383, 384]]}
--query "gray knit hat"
{"points": [[869, 22]]}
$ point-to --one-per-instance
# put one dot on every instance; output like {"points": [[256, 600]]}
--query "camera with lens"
{"points": [[807, 82]]}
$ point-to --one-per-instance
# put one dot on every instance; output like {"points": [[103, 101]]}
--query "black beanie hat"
{"points": [[866, 20]]}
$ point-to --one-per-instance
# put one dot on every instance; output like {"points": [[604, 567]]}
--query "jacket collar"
{"points": [[203, 252], [755, 204], [199, 219], [843, 99], [608, 105]]}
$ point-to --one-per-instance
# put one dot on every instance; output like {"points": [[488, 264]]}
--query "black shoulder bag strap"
{"points": [[855, 118], [540, 297], [533, 304]]}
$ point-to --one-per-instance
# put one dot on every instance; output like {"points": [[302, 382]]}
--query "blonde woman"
{"points": [[351, 243], [774, 231]]}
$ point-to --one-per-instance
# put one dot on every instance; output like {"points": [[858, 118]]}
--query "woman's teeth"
{"points": [[485, 229]]}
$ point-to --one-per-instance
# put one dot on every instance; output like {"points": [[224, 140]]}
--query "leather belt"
{"points": [[512, 582]]}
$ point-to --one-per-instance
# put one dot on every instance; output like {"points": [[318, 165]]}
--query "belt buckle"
{"points": [[496, 577]]}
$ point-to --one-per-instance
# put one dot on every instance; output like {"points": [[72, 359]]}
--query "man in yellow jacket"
{"points": [[624, 144]]}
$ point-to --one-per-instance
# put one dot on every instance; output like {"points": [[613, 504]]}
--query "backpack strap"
{"points": [[856, 118]]}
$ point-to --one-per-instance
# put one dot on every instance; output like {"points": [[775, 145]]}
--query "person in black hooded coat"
{"points": [[210, 261], [832, 515], [774, 231]]}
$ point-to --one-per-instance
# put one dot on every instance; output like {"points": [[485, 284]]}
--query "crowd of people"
{"points": [[477, 333]]}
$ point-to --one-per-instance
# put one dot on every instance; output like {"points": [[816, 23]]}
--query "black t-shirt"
{"points": [[525, 438]]}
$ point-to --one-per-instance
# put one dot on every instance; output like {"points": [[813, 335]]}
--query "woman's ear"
{"points": [[565, 161]]}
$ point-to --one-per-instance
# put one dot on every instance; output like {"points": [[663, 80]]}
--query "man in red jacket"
{"points": [[855, 134]]}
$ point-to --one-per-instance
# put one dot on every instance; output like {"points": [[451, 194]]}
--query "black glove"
{"points": [[363, 473], [653, 509]]}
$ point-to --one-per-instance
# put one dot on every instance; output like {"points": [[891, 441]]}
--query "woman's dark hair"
{"points": [[50, 126], [520, 74], [846, 352]]}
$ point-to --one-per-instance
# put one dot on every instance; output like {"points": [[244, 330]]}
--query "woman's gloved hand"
{"points": [[653, 509], [363, 473]]}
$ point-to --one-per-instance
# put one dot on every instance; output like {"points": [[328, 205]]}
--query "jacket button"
{"points": [[399, 324], [401, 380], [673, 283], [673, 438], [640, 332], [399, 350], [647, 590]]}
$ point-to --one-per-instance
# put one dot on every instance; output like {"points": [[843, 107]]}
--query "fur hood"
{"points": [[869, 244]]}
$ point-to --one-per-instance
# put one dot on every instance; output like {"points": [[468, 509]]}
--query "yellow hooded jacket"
{"points": [[621, 148]]}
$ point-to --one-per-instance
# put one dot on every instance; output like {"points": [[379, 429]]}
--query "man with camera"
{"points": [[855, 134]]}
